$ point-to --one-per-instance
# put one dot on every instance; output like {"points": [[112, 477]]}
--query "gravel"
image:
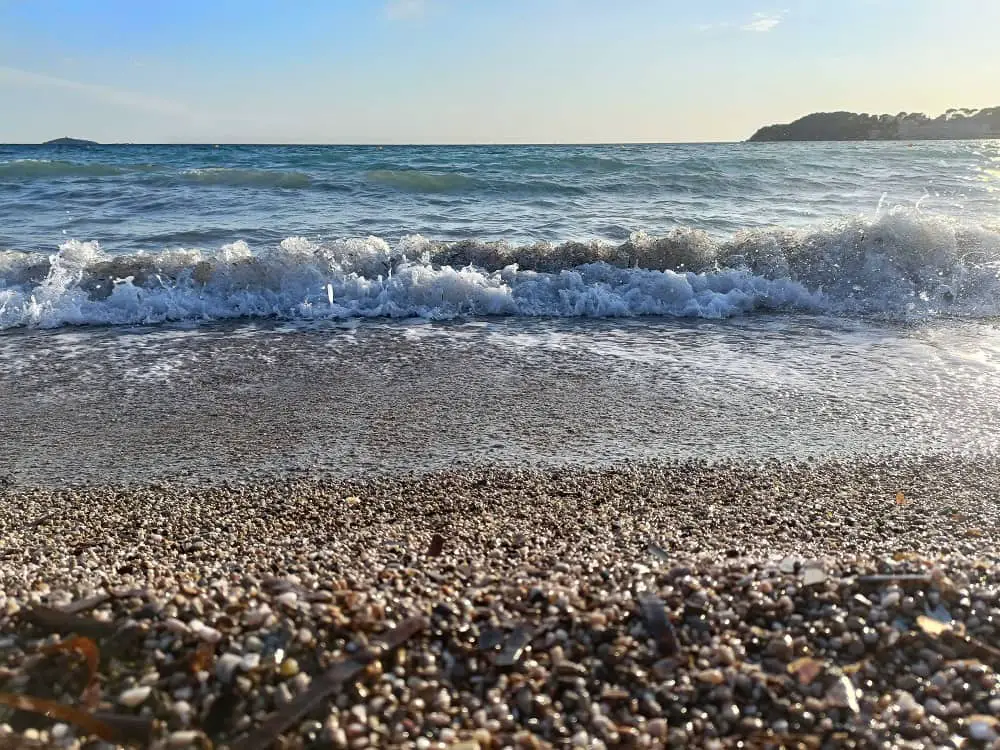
{"points": [[823, 604]]}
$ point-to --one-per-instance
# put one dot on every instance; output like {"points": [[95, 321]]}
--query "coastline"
{"points": [[646, 606]]}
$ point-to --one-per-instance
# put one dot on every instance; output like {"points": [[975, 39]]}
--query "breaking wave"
{"points": [[901, 265]]}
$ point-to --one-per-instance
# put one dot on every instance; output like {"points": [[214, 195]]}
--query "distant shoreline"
{"points": [[70, 142], [953, 125]]}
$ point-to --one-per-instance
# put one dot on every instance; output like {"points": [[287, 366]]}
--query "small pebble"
{"points": [[183, 738], [134, 696]]}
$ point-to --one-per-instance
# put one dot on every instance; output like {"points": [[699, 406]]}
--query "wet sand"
{"points": [[679, 605]]}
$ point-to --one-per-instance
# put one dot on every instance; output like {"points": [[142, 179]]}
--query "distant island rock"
{"points": [[955, 124], [70, 142]]}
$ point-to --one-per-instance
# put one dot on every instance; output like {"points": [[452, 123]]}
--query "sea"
{"points": [[227, 313]]}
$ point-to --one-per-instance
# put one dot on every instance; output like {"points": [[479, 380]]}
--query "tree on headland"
{"points": [[849, 126]]}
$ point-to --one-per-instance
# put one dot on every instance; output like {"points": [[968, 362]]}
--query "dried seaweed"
{"points": [[221, 714], [52, 709], [658, 625], [86, 648], [436, 546], [806, 669], [85, 605], [903, 579], [62, 621], [138, 729], [961, 643], [323, 686], [195, 661]]}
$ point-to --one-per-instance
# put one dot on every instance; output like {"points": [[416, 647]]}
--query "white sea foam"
{"points": [[899, 265]]}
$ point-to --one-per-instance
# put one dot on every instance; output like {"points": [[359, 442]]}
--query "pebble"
{"points": [[60, 731], [282, 695], [289, 668], [209, 635], [135, 696], [533, 570], [711, 676], [183, 738], [288, 599]]}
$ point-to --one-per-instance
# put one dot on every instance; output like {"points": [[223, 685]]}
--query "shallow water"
{"points": [[206, 403]]}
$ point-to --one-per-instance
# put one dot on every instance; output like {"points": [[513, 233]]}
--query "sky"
{"points": [[479, 71]]}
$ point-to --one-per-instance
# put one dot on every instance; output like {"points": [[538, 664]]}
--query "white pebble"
{"points": [[891, 599], [135, 696], [60, 731], [289, 598], [184, 738], [283, 695], [300, 682], [250, 661], [813, 576], [209, 635], [177, 627]]}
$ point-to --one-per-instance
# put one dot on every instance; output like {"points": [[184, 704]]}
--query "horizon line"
{"points": [[384, 144]]}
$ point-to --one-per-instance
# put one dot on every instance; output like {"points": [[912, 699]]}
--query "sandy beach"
{"points": [[829, 604]]}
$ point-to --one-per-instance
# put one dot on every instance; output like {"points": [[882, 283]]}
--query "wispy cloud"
{"points": [[763, 22], [403, 10], [120, 97]]}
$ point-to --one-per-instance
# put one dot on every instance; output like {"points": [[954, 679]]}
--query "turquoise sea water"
{"points": [[145, 234], [136, 198]]}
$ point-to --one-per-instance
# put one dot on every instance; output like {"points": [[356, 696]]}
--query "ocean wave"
{"points": [[417, 181], [27, 169], [231, 177], [901, 265]]}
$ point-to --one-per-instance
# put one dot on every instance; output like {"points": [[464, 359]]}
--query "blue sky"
{"points": [[426, 71]]}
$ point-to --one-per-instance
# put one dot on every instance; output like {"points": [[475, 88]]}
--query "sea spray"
{"points": [[898, 265]]}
